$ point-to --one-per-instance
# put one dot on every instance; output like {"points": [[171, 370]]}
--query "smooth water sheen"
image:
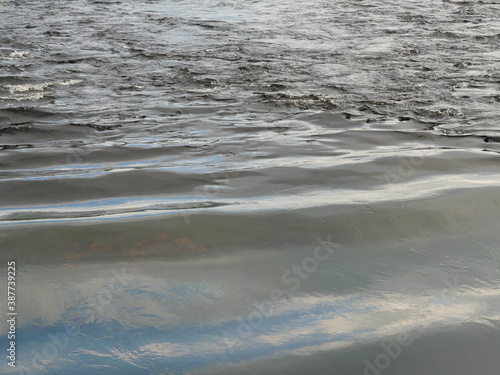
{"points": [[252, 187]]}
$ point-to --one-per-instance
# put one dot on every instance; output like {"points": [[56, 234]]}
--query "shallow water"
{"points": [[212, 187]]}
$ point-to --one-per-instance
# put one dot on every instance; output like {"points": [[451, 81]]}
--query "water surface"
{"points": [[254, 187]]}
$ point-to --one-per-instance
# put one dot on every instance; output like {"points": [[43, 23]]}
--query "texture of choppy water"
{"points": [[253, 187]]}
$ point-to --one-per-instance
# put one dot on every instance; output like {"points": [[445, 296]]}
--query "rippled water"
{"points": [[254, 187]]}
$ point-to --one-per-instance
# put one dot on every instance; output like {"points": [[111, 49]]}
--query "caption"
{"points": [[11, 312]]}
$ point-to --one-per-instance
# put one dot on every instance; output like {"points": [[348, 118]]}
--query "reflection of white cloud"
{"points": [[161, 299], [125, 355], [94, 353], [200, 312], [166, 349], [363, 318], [311, 323], [301, 326]]}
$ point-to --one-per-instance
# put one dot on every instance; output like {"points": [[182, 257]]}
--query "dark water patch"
{"points": [[13, 129], [20, 114], [97, 127]]}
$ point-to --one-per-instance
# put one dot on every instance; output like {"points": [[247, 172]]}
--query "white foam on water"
{"points": [[31, 97], [19, 55], [69, 82], [40, 86], [17, 90], [27, 87]]}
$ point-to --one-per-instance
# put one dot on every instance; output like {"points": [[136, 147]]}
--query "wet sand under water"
{"points": [[210, 187]]}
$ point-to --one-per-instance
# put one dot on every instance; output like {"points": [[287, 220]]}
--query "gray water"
{"points": [[253, 187]]}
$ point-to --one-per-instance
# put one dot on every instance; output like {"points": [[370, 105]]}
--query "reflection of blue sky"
{"points": [[163, 320], [292, 198]]}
